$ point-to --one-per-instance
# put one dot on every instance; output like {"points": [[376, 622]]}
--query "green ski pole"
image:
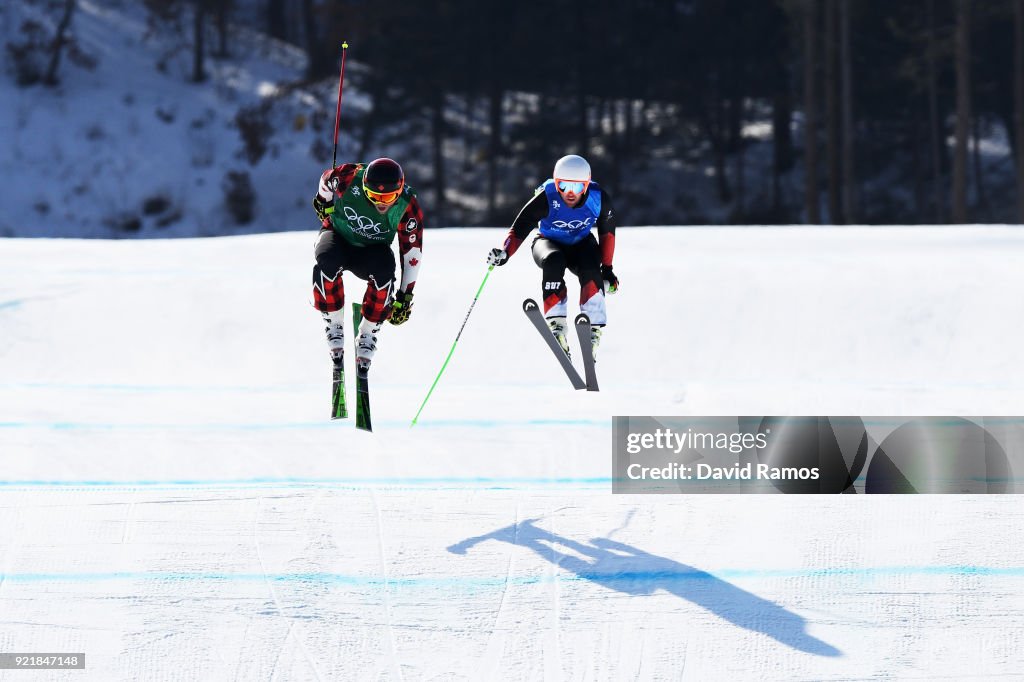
{"points": [[438, 378]]}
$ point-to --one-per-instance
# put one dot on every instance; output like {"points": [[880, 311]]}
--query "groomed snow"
{"points": [[176, 504]]}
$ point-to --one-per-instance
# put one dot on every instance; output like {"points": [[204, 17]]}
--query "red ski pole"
{"points": [[337, 115]]}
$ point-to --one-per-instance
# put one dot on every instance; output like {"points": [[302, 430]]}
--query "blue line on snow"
{"points": [[16, 303], [256, 426], [426, 482], [200, 388], [159, 388], [497, 582], [311, 482]]}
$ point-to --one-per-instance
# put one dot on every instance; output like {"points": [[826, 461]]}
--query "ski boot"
{"points": [[595, 340], [557, 326], [335, 335], [366, 344]]}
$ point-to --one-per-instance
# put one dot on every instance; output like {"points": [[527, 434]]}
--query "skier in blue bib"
{"points": [[566, 209]]}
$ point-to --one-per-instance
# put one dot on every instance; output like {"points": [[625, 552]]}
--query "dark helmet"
{"points": [[383, 177]]}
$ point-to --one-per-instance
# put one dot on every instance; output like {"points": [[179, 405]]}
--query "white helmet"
{"points": [[572, 167]]}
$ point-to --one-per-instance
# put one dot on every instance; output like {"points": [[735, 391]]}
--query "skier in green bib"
{"points": [[362, 207]]}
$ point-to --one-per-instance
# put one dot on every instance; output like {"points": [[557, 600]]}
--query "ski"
{"points": [[586, 350], [533, 312], [362, 377], [363, 399], [339, 407]]}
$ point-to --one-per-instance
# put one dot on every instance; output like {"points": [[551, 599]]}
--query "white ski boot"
{"points": [[557, 325], [366, 344], [335, 334], [595, 340]]}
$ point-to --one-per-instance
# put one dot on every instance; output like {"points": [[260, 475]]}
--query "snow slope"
{"points": [[175, 503], [82, 159]]}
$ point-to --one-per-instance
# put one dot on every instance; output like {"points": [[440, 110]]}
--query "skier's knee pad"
{"points": [[328, 290], [375, 300]]}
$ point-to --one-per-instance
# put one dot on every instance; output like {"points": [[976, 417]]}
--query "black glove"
{"points": [[611, 282], [497, 257], [401, 307], [323, 209]]}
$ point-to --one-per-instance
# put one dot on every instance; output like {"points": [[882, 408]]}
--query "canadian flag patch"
{"points": [[414, 262]]}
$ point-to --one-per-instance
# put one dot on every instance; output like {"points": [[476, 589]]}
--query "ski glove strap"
{"points": [[401, 307], [323, 209], [611, 282], [497, 257]]}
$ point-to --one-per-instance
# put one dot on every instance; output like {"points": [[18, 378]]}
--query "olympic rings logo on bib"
{"points": [[362, 225], [572, 224]]}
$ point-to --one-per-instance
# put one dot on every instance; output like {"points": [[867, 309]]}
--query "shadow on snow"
{"points": [[626, 569]]}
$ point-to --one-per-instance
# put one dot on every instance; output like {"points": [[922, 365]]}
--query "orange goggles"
{"points": [[382, 197], [572, 186]]}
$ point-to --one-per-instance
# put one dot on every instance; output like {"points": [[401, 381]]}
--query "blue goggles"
{"points": [[571, 186]]}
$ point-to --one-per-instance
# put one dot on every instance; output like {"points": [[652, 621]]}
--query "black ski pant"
{"points": [[375, 264], [583, 259]]}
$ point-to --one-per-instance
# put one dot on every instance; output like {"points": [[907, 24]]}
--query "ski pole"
{"points": [[337, 114], [438, 378]]}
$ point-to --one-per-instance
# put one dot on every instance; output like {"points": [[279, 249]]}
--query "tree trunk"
{"points": [[963, 110], [223, 8], [714, 129], [1018, 98], [496, 118], [622, 147], [276, 19], [810, 112], [721, 181], [629, 132], [835, 212], [917, 167], [370, 120], [736, 114], [547, 139], [782, 145], [850, 200], [198, 52], [468, 129], [581, 111], [614, 145], [59, 41], [979, 177], [316, 65], [933, 118], [437, 147]]}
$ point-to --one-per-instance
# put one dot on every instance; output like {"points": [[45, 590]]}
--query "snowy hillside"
{"points": [[133, 148], [175, 503], [128, 149]]}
